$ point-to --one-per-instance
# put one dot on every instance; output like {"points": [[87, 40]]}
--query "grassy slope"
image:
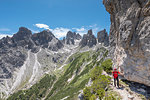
{"points": [[62, 87], [36, 91]]}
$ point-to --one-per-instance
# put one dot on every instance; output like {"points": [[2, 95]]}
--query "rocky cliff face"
{"points": [[88, 40], [103, 37], [130, 37]]}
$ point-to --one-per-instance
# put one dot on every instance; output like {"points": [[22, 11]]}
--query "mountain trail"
{"points": [[126, 95], [123, 91]]}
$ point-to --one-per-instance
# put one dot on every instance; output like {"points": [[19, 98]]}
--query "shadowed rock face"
{"points": [[88, 40], [78, 36], [130, 37], [22, 34], [102, 37], [42, 38], [46, 39], [71, 37]]}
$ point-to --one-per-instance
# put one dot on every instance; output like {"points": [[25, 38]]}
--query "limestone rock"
{"points": [[103, 37], [71, 37], [129, 37], [78, 36], [88, 40], [46, 39]]}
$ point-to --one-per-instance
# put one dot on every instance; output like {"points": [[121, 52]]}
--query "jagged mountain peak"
{"points": [[45, 34], [46, 39], [70, 34], [24, 29], [23, 33], [88, 39], [71, 37], [90, 32], [103, 37]]}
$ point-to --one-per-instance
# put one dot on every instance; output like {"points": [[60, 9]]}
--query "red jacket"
{"points": [[115, 74]]}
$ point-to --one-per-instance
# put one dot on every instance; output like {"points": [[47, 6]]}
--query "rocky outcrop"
{"points": [[103, 37], [71, 37], [88, 40], [130, 37], [46, 39], [78, 36]]}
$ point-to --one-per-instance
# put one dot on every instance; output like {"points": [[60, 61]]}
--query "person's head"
{"points": [[115, 69]]}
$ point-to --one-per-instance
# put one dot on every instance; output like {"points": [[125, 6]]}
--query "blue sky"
{"points": [[57, 15]]}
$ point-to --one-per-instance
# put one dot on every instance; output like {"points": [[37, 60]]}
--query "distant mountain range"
{"points": [[26, 57]]}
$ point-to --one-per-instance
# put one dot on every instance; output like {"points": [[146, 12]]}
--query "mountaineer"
{"points": [[115, 75]]}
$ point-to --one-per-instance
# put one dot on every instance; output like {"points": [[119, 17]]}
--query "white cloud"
{"points": [[80, 29], [60, 32], [4, 29], [84, 29], [42, 26], [4, 35], [95, 25]]}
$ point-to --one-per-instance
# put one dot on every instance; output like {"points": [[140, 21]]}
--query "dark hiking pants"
{"points": [[116, 79]]}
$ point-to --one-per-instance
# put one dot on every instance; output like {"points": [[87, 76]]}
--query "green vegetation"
{"points": [[95, 73], [100, 86], [107, 65], [100, 82], [87, 93], [65, 88], [36, 91], [73, 78]]}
